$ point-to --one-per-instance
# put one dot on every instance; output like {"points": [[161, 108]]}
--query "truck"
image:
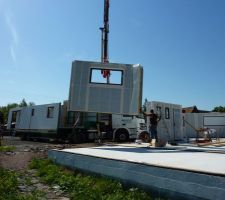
{"points": [[55, 121]]}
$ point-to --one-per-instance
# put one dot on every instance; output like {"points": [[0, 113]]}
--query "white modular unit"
{"points": [[170, 125], [212, 120], [35, 118], [13, 117], [90, 91]]}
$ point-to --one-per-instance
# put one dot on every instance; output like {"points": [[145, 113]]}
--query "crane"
{"points": [[104, 40]]}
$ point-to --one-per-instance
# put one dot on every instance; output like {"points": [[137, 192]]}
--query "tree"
{"points": [[219, 109], [31, 104], [23, 103], [5, 109], [1, 118]]}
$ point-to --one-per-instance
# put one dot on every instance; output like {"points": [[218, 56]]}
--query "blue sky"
{"points": [[180, 44]]}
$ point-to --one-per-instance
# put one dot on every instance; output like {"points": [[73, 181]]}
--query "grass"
{"points": [[9, 187], [8, 184], [7, 148], [81, 186]]}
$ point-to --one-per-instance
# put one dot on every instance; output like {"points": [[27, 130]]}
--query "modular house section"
{"points": [[40, 118], [211, 120], [90, 91], [170, 125]]}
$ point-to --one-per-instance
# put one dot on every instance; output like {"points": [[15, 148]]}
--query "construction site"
{"points": [[185, 159]]}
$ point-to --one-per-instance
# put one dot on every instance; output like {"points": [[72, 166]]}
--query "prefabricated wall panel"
{"points": [[92, 94], [213, 120], [170, 125]]}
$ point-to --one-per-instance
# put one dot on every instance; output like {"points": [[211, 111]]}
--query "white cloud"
{"points": [[15, 38], [12, 29]]}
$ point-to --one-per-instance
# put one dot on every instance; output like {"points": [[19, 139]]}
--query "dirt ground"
{"points": [[26, 150], [18, 160]]}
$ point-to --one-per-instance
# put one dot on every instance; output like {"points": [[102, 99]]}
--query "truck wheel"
{"points": [[122, 135]]}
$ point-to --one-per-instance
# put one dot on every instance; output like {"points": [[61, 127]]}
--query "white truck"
{"points": [[127, 127], [55, 121]]}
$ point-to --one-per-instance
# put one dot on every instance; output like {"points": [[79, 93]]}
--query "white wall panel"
{"points": [[92, 94]]}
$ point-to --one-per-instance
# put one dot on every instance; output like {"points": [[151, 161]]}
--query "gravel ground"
{"points": [[26, 150], [19, 159]]}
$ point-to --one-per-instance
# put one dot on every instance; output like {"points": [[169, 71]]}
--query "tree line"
{"points": [[219, 109], [4, 110]]}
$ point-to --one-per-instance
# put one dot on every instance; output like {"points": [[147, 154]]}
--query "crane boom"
{"points": [[106, 31], [104, 42]]}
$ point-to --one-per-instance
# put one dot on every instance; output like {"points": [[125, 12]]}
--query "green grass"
{"points": [[9, 187], [7, 148], [81, 186]]}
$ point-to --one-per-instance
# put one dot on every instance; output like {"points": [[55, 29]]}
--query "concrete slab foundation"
{"points": [[192, 173]]}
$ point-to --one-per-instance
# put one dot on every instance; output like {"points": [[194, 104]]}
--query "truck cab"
{"points": [[126, 127]]}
